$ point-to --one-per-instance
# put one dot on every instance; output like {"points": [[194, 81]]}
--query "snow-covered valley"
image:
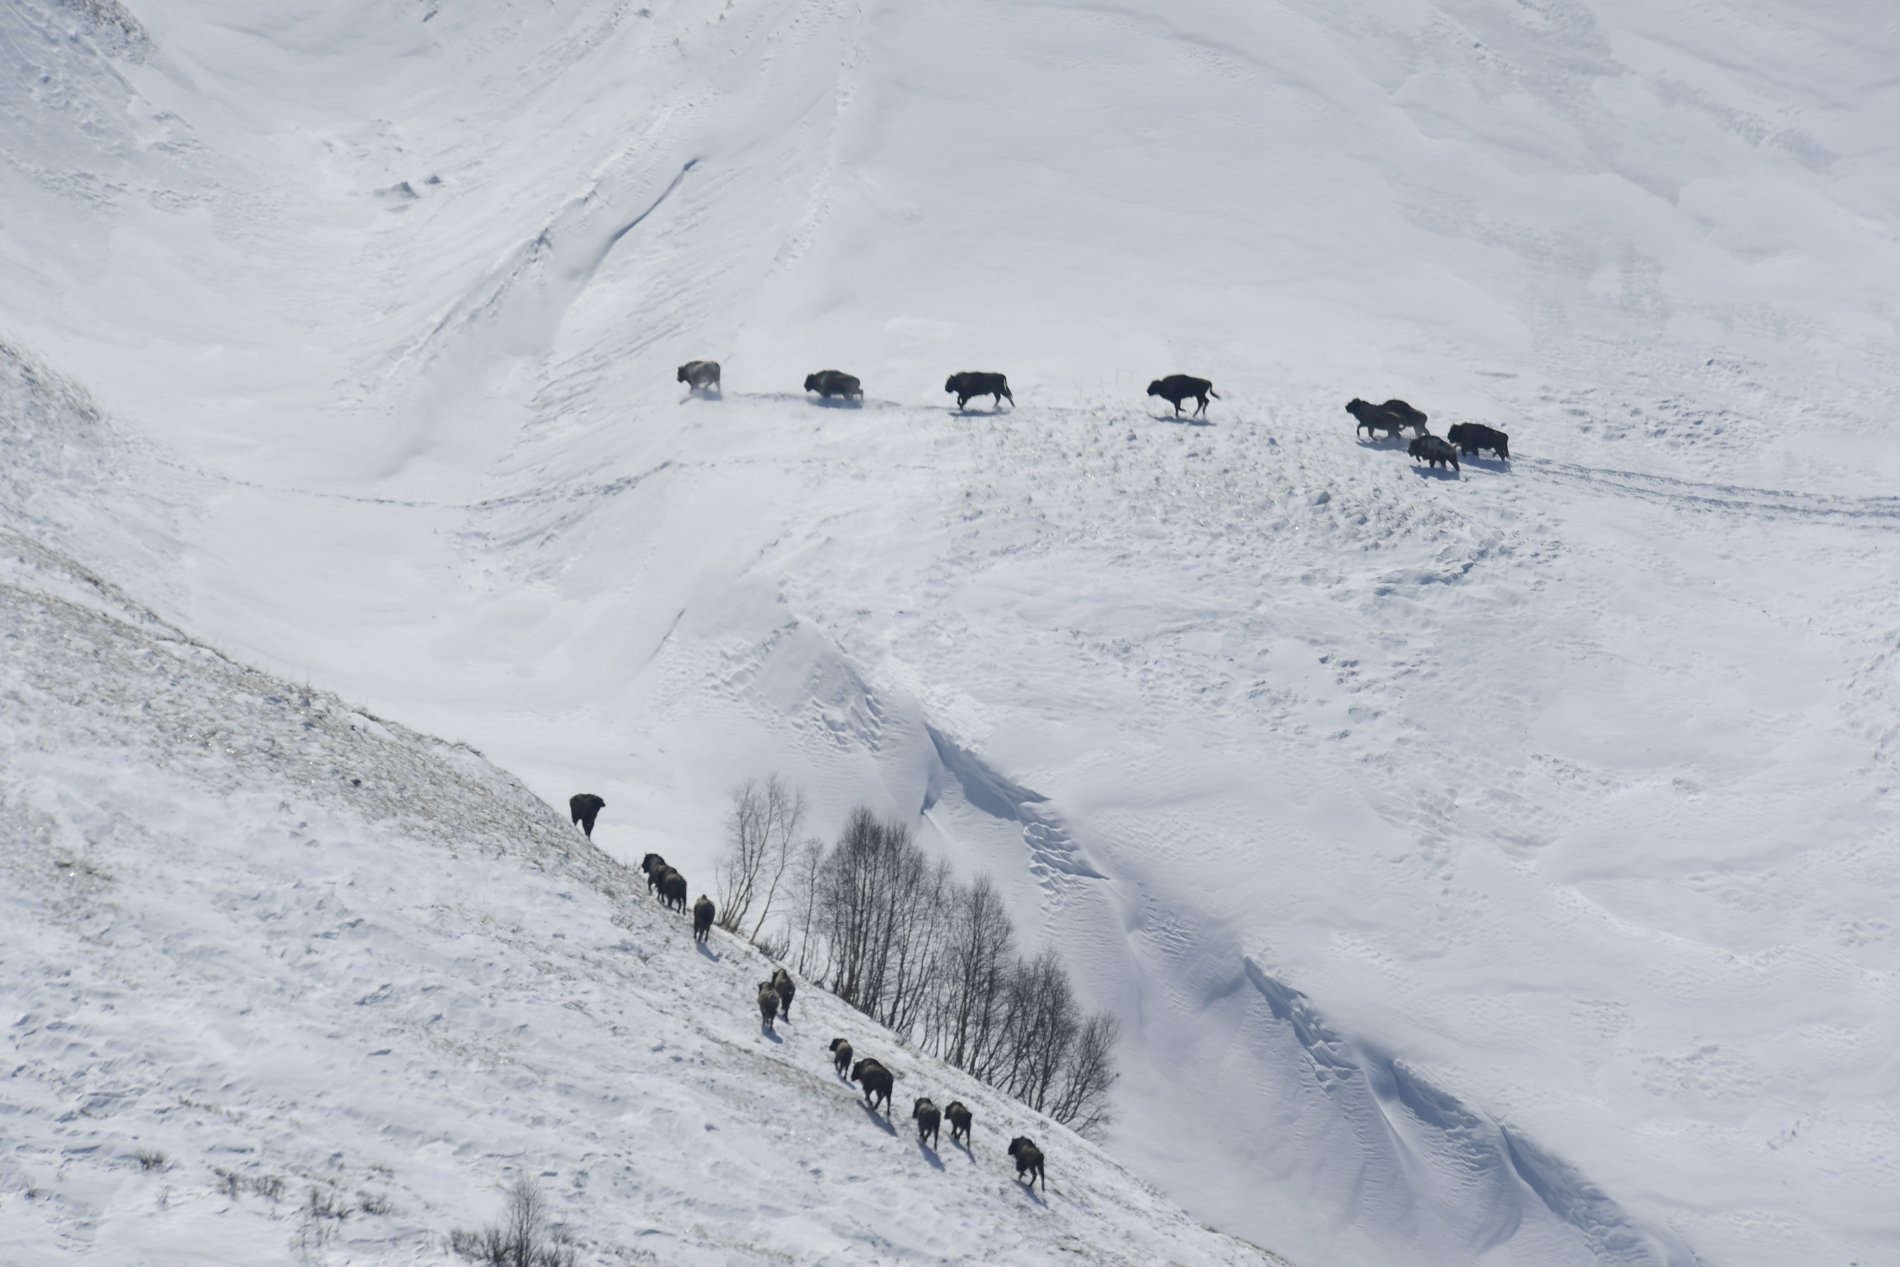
{"points": [[1489, 867]]}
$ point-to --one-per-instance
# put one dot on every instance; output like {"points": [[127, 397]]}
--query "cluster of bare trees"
{"points": [[893, 933]]}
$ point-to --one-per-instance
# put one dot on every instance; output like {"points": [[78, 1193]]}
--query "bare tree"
{"points": [[979, 948], [521, 1239], [784, 820], [762, 829], [814, 958], [1088, 1074]]}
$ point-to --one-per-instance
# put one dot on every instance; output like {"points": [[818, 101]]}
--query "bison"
{"points": [[782, 982], [1434, 449], [673, 890], [1413, 418], [586, 808], [768, 1004], [1473, 436], [702, 918], [1375, 418], [653, 865], [929, 1119], [840, 1055], [959, 1121], [972, 383], [700, 375], [829, 383], [1028, 1160], [874, 1078], [1176, 388]]}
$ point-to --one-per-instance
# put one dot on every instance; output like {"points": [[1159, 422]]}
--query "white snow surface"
{"points": [[255, 934], [1491, 867]]}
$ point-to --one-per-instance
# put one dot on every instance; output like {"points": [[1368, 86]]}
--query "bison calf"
{"points": [[1028, 1160], [782, 982], [700, 375], [702, 918], [840, 1056], [971, 383], [875, 1079], [768, 1004], [1176, 388], [1473, 436], [1433, 449], [959, 1122], [829, 383], [929, 1119], [586, 808]]}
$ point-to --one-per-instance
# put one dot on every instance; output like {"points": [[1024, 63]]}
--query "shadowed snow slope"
{"points": [[1493, 865]]}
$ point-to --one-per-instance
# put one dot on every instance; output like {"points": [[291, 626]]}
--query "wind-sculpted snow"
{"points": [[288, 982], [1558, 789]]}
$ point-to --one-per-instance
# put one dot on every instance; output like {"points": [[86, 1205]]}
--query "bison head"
{"points": [[811, 382], [1154, 388]]}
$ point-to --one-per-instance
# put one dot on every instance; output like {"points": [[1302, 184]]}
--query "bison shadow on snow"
{"points": [[1184, 420], [930, 1155], [1433, 472], [882, 1119], [765, 1028], [708, 951]]}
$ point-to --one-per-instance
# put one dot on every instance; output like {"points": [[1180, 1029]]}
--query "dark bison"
{"points": [[586, 808], [840, 1056], [1434, 449], [876, 1081], [959, 1122], [701, 375], [702, 918], [1473, 436], [653, 865], [782, 982], [972, 383], [1392, 417], [1176, 388], [929, 1121], [768, 1004], [829, 383], [1028, 1160], [1414, 418], [673, 890]]}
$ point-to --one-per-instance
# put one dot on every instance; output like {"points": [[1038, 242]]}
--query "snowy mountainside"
{"points": [[1513, 850], [261, 944]]}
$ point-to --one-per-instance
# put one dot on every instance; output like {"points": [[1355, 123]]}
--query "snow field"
{"points": [[252, 931], [1513, 851]]}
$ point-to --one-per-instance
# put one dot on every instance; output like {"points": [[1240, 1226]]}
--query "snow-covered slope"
{"points": [[1487, 869], [261, 945]]}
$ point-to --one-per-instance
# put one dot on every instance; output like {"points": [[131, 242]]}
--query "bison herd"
{"points": [[1395, 416], [775, 996], [1391, 419]]}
